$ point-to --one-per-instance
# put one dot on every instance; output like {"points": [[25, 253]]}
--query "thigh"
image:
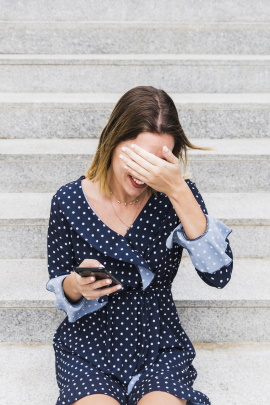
{"points": [[161, 398], [96, 399]]}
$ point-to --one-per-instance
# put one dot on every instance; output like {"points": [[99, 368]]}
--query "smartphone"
{"points": [[99, 273]]}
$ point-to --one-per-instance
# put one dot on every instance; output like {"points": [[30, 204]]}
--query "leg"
{"points": [[96, 399], [161, 398]]}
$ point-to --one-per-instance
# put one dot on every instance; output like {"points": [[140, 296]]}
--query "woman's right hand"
{"points": [[87, 286]]}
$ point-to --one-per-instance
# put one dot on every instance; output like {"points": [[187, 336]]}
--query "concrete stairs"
{"points": [[219, 365], [62, 69]]}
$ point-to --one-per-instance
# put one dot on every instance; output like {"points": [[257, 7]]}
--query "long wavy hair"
{"points": [[140, 109]]}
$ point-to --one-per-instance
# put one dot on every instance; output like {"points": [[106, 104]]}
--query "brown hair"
{"points": [[141, 109]]}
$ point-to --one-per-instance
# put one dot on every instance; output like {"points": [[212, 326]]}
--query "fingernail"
{"points": [[132, 145], [118, 287], [123, 149], [108, 281], [92, 278], [165, 148]]}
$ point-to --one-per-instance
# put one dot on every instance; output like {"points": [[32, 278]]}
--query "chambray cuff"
{"points": [[73, 311], [207, 251]]}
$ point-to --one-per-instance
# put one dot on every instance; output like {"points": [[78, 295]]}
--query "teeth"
{"points": [[137, 181]]}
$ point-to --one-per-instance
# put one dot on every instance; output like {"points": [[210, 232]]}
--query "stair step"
{"points": [[214, 62], [140, 37], [71, 157], [171, 10], [212, 362], [84, 115], [28, 286], [227, 147], [217, 311], [24, 222], [120, 72]]}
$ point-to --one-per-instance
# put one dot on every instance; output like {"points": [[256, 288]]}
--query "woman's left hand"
{"points": [[162, 175]]}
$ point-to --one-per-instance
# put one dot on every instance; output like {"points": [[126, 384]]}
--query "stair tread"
{"points": [[133, 58], [212, 362], [253, 147], [249, 286], [112, 98], [235, 208]]}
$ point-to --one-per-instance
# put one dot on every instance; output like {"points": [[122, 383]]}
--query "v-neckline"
{"points": [[133, 226]]}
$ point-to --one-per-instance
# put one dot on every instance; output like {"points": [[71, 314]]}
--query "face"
{"points": [[119, 178]]}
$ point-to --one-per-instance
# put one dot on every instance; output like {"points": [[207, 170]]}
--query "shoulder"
{"points": [[67, 191]]}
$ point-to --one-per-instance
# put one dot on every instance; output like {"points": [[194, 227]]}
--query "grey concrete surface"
{"points": [[239, 312], [203, 322], [153, 10], [215, 59], [228, 147], [84, 115], [119, 73], [25, 239], [23, 283], [107, 37], [213, 169], [225, 373], [24, 232]]}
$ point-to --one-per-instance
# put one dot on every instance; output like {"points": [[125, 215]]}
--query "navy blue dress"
{"points": [[130, 342]]}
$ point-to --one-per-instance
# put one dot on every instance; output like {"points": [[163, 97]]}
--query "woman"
{"points": [[133, 212]]}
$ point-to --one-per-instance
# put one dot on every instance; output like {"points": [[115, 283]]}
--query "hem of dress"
{"points": [[64, 397], [181, 395]]}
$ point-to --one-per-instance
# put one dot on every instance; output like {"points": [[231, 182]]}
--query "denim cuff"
{"points": [[73, 311], [207, 251]]}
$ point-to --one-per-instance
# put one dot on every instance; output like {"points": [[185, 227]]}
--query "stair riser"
{"points": [[201, 324], [214, 173], [88, 121], [68, 38], [152, 10], [216, 365], [29, 241], [109, 76]]}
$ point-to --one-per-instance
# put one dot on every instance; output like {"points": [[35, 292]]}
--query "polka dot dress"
{"points": [[130, 342]]}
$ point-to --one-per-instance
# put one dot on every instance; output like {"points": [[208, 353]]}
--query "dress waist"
{"points": [[151, 289]]}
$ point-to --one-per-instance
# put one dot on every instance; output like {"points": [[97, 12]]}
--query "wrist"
{"points": [[178, 190], [69, 287]]}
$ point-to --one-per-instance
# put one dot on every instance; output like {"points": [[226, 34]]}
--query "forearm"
{"points": [[69, 289], [188, 210]]}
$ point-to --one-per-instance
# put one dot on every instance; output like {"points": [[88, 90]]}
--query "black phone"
{"points": [[99, 273]]}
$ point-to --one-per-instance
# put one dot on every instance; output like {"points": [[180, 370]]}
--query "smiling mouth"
{"points": [[138, 183]]}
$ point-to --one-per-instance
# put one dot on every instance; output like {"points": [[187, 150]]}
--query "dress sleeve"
{"points": [[61, 261], [210, 252]]}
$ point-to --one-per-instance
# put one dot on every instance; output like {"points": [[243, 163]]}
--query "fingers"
{"points": [[136, 162], [141, 156], [84, 280], [94, 291], [169, 155], [89, 287]]}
